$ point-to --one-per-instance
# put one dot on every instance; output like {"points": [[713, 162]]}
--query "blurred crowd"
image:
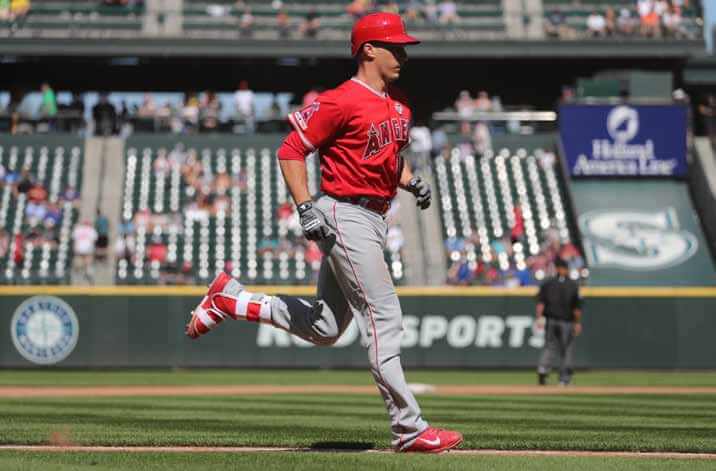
{"points": [[14, 12], [41, 219], [430, 11], [204, 195], [644, 18], [41, 111], [466, 270]]}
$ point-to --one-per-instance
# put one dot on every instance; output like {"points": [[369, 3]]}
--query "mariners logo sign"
{"points": [[636, 240], [44, 330]]}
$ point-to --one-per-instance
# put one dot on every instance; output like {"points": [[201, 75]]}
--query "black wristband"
{"points": [[305, 206]]}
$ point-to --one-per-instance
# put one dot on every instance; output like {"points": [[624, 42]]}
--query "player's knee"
{"points": [[326, 332]]}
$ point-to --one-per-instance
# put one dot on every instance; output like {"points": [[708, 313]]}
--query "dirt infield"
{"points": [[205, 449], [263, 389]]}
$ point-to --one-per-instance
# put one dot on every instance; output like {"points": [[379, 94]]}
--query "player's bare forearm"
{"points": [[577, 315], [294, 172], [405, 176], [540, 310]]}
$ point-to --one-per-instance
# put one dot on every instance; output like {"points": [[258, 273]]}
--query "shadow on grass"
{"points": [[341, 446]]}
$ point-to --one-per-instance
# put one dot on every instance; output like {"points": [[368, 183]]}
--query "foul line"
{"points": [[247, 449]]}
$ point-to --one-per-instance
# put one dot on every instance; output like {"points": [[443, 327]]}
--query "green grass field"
{"points": [[680, 423]]}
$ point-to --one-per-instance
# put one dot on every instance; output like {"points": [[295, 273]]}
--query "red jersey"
{"points": [[358, 133]]}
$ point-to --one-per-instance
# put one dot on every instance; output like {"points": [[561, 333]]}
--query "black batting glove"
{"points": [[421, 190], [313, 226]]}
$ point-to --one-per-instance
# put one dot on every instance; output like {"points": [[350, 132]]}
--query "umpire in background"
{"points": [[559, 303]]}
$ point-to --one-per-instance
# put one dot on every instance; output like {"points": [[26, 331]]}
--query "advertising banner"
{"points": [[624, 140], [80, 331]]}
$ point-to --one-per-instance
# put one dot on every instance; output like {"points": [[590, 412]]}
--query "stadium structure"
{"points": [[580, 130]]}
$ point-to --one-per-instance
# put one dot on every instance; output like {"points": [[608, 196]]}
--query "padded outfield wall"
{"points": [[443, 327]]}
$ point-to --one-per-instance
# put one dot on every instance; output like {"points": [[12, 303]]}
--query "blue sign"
{"points": [[624, 140]]}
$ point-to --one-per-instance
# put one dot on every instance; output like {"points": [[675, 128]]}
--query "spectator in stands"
{"points": [[53, 217], [596, 25], [461, 272], [11, 178], [311, 24], [19, 10], [610, 21], [420, 146], [672, 22], [101, 226], [649, 19], [37, 193], [465, 106], [556, 25], [209, 110], [49, 102], [148, 108], [77, 104], [2, 174], [661, 7], [390, 6], [157, 250], [104, 116], [246, 23], [483, 102], [358, 8], [244, 100], [70, 195], [625, 22], [283, 24], [4, 10], [414, 10], [84, 236], [440, 141], [35, 213], [25, 182], [4, 243], [190, 112], [430, 11], [447, 12]]}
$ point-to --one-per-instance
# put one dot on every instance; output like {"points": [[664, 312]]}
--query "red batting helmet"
{"points": [[382, 27]]}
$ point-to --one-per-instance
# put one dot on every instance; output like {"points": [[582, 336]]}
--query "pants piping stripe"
{"points": [[365, 298]]}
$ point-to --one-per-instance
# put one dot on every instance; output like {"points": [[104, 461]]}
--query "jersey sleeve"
{"points": [[318, 122], [293, 148]]}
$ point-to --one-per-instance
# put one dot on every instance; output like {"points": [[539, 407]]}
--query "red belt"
{"points": [[377, 205]]}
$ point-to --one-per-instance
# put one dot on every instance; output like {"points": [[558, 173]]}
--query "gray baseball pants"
{"points": [[559, 344], [354, 283]]}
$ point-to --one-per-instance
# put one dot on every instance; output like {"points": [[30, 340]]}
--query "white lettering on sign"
{"points": [[462, 331], [489, 331], [433, 328]]}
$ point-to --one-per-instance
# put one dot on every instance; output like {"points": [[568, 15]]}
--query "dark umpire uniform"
{"points": [[559, 303]]}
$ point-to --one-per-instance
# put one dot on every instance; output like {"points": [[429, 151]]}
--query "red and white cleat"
{"points": [[205, 317], [434, 440]]}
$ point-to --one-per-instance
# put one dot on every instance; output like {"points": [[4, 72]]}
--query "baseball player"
{"points": [[359, 130]]}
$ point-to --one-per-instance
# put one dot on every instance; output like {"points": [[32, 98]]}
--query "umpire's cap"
{"points": [[382, 27]]}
